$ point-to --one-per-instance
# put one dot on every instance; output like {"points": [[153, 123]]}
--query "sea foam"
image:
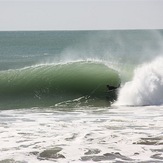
{"points": [[146, 87]]}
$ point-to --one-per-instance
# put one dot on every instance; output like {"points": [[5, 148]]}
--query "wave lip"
{"points": [[50, 84], [146, 88]]}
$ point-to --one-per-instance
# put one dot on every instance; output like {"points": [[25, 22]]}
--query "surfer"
{"points": [[112, 92], [112, 88]]}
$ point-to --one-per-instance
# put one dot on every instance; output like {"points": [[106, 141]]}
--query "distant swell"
{"points": [[146, 88], [49, 84]]}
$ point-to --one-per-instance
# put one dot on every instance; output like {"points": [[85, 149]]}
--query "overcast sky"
{"points": [[80, 14]]}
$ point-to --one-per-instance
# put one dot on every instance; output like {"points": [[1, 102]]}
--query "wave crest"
{"points": [[146, 88], [46, 85]]}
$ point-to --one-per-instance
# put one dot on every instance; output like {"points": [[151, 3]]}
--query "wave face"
{"points": [[146, 87], [49, 84]]}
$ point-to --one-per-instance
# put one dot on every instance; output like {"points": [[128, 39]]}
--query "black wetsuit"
{"points": [[110, 88]]}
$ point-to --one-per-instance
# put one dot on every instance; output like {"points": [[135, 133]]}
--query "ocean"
{"points": [[55, 105]]}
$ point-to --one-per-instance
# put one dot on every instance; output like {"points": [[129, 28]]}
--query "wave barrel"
{"points": [[48, 84]]}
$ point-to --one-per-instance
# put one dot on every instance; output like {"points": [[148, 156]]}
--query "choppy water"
{"points": [[125, 134], [55, 106]]}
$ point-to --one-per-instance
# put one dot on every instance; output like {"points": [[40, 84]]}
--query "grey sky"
{"points": [[80, 14]]}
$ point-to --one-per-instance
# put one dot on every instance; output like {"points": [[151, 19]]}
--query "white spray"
{"points": [[146, 88]]}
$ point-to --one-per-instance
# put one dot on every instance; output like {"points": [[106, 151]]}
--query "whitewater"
{"points": [[54, 101], [146, 87]]}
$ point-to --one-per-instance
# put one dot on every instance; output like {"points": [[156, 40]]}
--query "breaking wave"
{"points": [[49, 84], [146, 87]]}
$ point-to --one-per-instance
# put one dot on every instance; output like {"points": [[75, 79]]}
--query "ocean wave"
{"points": [[49, 84]]}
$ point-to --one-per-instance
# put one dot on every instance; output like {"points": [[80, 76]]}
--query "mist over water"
{"points": [[123, 47], [120, 50]]}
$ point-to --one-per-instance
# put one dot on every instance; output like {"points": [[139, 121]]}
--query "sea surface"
{"points": [[55, 105]]}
